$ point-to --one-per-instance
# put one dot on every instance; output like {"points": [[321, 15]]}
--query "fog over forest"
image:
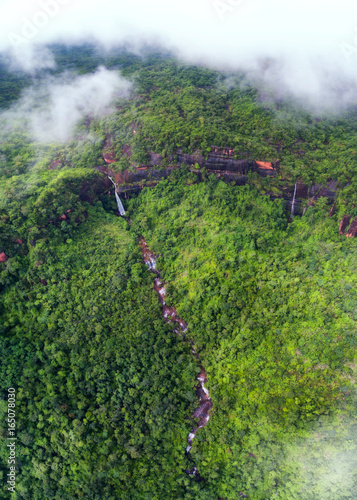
{"points": [[304, 47], [178, 258]]}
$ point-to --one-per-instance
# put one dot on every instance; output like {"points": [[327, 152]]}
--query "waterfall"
{"points": [[119, 203], [171, 317], [293, 203]]}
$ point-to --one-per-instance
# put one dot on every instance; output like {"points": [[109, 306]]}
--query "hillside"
{"points": [[244, 201]]}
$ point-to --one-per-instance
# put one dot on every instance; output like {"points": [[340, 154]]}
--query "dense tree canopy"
{"points": [[105, 389]]}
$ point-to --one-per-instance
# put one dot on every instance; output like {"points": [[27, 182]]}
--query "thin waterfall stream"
{"points": [[293, 203], [170, 316], [119, 203]]}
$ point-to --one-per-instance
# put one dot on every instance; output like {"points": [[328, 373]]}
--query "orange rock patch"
{"points": [[265, 165]]}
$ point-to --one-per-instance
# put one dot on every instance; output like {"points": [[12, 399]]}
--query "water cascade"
{"points": [[119, 203], [171, 317], [293, 203]]}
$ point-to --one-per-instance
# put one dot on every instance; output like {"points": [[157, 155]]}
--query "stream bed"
{"points": [[179, 326]]}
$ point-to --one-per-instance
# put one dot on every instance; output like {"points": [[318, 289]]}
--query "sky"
{"points": [[308, 48]]}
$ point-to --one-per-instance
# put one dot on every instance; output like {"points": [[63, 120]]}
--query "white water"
{"points": [[192, 434], [151, 263], [293, 203], [119, 203], [202, 379]]}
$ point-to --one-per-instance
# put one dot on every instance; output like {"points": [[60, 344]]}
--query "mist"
{"points": [[52, 109], [324, 463], [311, 47]]}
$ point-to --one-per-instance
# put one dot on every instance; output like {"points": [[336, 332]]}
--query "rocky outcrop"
{"points": [[3, 257], [225, 151], [109, 150], [126, 179], [266, 167], [55, 164], [215, 162], [127, 151], [318, 190], [180, 327], [344, 223], [222, 159], [302, 190], [189, 159], [217, 159], [154, 159], [352, 231]]}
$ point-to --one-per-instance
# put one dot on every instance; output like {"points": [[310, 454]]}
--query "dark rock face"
{"points": [[127, 150], [109, 150], [56, 163], [202, 412], [302, 190], [319, 191], [190, 159], [217, 159], [148, 174], [222, 160], [352, 231], [266, 168], [155, 159], [344, 223]]}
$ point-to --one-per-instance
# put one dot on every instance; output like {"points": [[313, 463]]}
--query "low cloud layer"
{"points": [[311, 46], [324, 464], [52, 110]]}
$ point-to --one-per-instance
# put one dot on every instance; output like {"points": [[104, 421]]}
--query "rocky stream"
{"points": [[179, 326]]}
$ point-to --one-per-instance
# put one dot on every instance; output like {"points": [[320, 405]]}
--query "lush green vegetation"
{"points": [[105, 390], [271, 310], [11, 83], [103, 385]]}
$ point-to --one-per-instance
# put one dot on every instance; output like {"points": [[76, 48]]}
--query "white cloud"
{"points": [[315, 42], [52, 110]]}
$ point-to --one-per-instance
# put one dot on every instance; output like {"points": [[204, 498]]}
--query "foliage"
{"points": [[270, 310], [103, 385], [105, 389]]}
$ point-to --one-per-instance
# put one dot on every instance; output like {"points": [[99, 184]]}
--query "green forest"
{"points": [[105, 388]]}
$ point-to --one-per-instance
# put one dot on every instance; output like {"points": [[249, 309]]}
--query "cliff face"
{"points": [[109, 150], [344, 223], [155, 159], [131, 180], [352, 230], [190, 159], [217, 159], [266, 168]]}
